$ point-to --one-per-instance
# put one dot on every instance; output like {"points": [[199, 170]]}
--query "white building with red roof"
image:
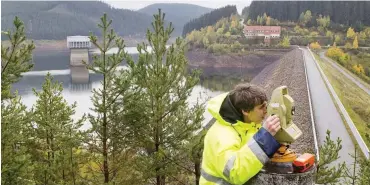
{"points": [[268, 32]]}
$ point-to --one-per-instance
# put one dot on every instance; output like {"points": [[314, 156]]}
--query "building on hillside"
{"points": [[268, 32]]}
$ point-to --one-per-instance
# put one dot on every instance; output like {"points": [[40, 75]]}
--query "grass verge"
{"points": [[349, 72], [354, 99]]}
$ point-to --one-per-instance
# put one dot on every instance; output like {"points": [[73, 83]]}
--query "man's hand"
{"points": [[272, 124]]}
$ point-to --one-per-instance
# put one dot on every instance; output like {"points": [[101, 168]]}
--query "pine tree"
{"points": [[364, 173], [164, 122], [196, 149], [259, 20], [16, 166], [57, 136], [301, 19], [190, 162], [249, 22], [264, 19], [15, 59], [307, 16], [109, 133], [351, 174], [328, 154]]}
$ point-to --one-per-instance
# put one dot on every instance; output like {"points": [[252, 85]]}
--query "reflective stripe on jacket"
{"points": [[234, 151]]}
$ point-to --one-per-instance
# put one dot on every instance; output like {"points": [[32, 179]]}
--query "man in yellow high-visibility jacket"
{"points": [[237, 145]]}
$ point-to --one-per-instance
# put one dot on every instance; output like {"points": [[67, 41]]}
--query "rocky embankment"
{"points": [[289, 71], [201, 58]]}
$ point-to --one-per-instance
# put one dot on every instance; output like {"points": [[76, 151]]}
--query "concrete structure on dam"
{"points": [[79, 47]]}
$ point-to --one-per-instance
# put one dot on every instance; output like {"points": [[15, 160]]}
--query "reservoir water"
{"points": [[213, 81]]}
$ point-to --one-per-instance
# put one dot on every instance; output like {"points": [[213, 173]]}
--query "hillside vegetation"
{"points": [[223, 37], [358, 62], [209, 19], [177, 13], [59, 19], [318, 30], [226, 36], [314, 27], [351, 13]]}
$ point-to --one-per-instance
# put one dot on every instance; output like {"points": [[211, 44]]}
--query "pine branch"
{"points": [[16, 163], [177, 180], [16, 62], [176, 163], [328, 154]]}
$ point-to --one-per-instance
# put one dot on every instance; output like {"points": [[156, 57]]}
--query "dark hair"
{"points": [[246, 97]]}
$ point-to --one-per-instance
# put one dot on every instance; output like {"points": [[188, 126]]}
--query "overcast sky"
{"points": [[137, 4]]}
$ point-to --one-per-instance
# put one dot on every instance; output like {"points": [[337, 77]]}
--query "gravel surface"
{"points": [[289, 71], [202, 58]]}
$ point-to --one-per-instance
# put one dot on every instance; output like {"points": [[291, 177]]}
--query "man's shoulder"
{"points": [[221, 133]]}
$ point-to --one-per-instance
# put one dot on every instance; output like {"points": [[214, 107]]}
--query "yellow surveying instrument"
{"points": [[282, 105]]}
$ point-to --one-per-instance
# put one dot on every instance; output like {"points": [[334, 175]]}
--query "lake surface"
{"points": [[213, 81]]}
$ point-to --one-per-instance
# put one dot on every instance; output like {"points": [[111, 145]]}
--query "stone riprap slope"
{"points": [[289, 71], [202, 58]]}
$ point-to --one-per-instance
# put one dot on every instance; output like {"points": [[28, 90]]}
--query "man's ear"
{"points": [[245, 113]]}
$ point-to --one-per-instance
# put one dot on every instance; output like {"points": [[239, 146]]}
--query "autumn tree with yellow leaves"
{"points": [[338, 55], [358, 69], [355, 43], [315, 46], [351, 33]]}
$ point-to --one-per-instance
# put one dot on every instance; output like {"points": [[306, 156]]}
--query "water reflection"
{"points": [[225, 79], [80, 87], [57, 60], [78, 82], [81, 79], [81, 92], [79, 75], [220, 83]]}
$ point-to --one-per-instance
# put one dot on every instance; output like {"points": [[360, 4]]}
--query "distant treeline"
{"points": [[59, 19], [351, 13], [209, 19]]}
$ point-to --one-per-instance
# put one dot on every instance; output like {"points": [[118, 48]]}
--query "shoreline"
{"points": [[61, 45]]}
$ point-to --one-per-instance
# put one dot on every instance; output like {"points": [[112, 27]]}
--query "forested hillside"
{"points": [[59, 19], [209, 19], [350, 13], [177, 13], [245, 12]]}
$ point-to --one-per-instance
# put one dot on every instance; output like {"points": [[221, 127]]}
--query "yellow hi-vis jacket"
{"points": [[234, 151]]}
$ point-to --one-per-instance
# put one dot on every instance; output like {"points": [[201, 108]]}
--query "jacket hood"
{"points": [[221, 108]]}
